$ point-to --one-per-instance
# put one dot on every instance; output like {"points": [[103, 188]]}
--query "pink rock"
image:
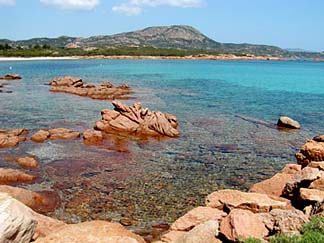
{"points": [[63, 133], [291, 169], [317, 184], [11, 176], [311, 151], [172, 236], [92, 137], [11, 138], [92, 232], [313, 195], [136, 121], [256, 202], [241, 224], [197, 216], [27, 162], [318, 165]]}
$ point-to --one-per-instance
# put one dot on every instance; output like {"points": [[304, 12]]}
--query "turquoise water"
{"points": [[227, 112]]}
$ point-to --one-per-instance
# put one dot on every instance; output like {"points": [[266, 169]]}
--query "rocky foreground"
{"points": [[279, 205], [76, 86]]}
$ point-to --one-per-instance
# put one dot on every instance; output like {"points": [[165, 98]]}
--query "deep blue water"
{"points": [[226, 111]]}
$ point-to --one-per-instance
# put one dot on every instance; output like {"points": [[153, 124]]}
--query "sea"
{"points": [[227, 113]]}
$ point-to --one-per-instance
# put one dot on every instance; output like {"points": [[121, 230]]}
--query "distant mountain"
{"points": [[173, 37]]}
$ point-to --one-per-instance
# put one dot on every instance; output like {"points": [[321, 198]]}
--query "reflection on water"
{"points": [[227, 113]]}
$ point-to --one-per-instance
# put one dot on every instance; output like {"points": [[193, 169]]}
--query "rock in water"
{"points": [[11, 77], [16, 221], [312, 150], [136, 121], [287, 122]]}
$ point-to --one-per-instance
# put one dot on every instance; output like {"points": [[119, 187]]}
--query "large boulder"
{"points": [[197, 216], [241, 224], [256, 202], [16, 221], [288, 122], [312, 150], [92, 137], [11, 77], [137, 121], [105, 91], [312, 195], [92, 232]]}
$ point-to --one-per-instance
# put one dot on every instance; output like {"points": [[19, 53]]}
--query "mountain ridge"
{"points": [[182, 37]]}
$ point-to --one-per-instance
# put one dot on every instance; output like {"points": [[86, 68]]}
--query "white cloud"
{"points": [[135, 7], [128, 9], [7, 2], [72, 4]]}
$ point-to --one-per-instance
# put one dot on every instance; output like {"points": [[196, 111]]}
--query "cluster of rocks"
{"points": [[53, 134], [136, 121], [11, 77], [20, 224], [105, 91], [11, 138], [279, 205]]}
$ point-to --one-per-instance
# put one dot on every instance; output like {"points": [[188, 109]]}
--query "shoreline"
{"points": [[127, 57]]}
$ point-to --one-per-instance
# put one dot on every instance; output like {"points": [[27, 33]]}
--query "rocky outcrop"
{"points": [[16, 221], [92, 232], [11, 138], [11, 77], [8, 176], [105, 91], [136, 121], [287, 122], [27, 162], [312, 150], [53, 134]]}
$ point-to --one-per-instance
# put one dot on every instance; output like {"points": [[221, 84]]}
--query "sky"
{"points": [[283, 23]]}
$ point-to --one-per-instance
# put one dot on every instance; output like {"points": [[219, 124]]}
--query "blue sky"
{"points": [[284, 23]]}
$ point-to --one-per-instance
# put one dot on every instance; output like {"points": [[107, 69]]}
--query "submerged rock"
{"points": [[8, 176], [137, 121], [16, 221], [105, 91], [288, 122], [11, 77], [92, 232]]}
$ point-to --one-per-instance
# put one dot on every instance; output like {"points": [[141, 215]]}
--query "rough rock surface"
{"points": [[203, 233], [92, 232], [53, 134], [288, 221], [16, 222], [137, 121], [318, 165], [312, 150], [11, 77], [317, 184], [256, 202], [172, 236], [11, 138], [197, 216], [11, 176], [240, 224], [105, 91], [287, 122]]}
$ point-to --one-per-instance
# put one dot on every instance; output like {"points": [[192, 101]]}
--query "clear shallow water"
{"points": [[226, 110]]}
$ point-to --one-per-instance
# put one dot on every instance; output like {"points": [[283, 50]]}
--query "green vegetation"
{"points": [[45, 50], [312, 232]]}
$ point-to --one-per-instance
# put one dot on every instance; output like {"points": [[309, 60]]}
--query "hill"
{"points": [[178, 37]]}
